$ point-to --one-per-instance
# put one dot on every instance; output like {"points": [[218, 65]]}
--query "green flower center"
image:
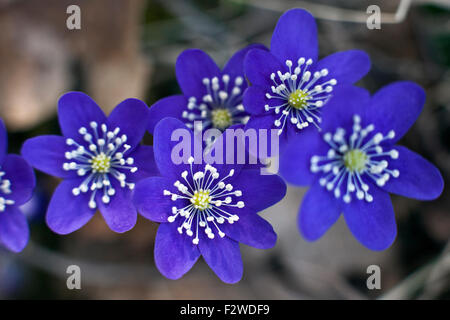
{"points": [[298, 99], [201, 199], [355, 160], [101, 163], [221, 118]]}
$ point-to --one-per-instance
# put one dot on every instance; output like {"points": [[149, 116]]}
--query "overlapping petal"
{"points": [[14, 231], [192, 66], [372, 223], [259, 65], [295, 161], [119, 213], [150, 199], [259, 191], [295, 36], [172, 106], [235, 66], [418, 179], [318, 212], [228, 151], [132, 117], [67, 213], [263, 149], [251, 230], [255, 99], [346, 67], [76, 110], [174, 253], [223, 256], [144, 160], [396, 107], [169, 133], [345, 103], [47, 154], [21, 176]]}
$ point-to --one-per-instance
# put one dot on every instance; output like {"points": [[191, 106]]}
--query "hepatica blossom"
{"points": [[98, 157], [17, 183], [290, 86], [205, 209], [354, 164], [210, 95]]}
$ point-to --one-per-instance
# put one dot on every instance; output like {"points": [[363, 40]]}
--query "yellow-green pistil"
{"points": [[201, 199], [101, 163], [298, 99], [221, 118], [355, 160]]}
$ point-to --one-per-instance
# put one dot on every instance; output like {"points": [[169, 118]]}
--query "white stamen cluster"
{"points": [[104, 158], [350, 160], [221, 94], [301, 94], [5, 189], [206, 197]]}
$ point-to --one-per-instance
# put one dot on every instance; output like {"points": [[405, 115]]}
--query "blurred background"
{"points": [[128, 49]]}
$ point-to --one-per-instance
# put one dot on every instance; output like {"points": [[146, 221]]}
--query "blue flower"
{"points": [[98, 157], [290, 86], [210, 95], [354, 164], [205, 209], [17, 182]]}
